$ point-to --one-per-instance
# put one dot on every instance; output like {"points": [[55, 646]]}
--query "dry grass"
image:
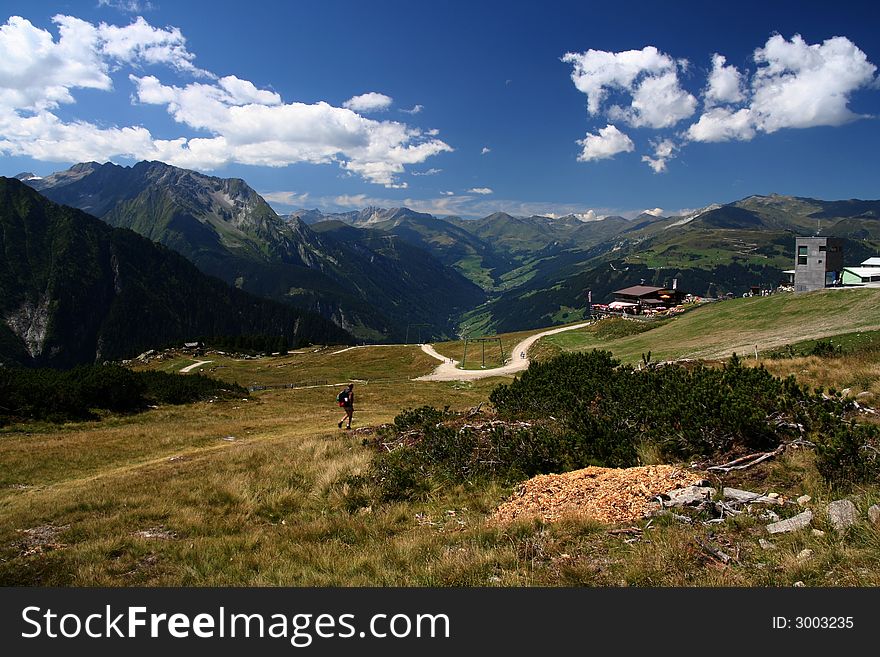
{"points": [[162, 499], [858, 372]]}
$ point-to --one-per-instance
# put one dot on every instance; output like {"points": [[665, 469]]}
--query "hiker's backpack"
{"points": [[342, 397]]}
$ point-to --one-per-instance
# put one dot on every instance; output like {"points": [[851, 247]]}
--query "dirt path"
{"points": [[362, 346], [448, 369], [190, 368]]}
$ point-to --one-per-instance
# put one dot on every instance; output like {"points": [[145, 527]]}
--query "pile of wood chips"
{"points": [[609, 495]]}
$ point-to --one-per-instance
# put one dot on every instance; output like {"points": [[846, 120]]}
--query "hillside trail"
{"points": [[448, 369], [190, 368]]}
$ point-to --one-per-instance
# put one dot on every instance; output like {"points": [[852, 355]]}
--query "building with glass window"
{"points": [[818, 263]]}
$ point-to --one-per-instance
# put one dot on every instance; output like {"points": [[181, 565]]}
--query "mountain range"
{"points": [[367, 283], [74, 290], [376, 272], [538, 269]]}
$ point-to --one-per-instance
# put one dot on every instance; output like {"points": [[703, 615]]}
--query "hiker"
{"points": [[346, 401]]}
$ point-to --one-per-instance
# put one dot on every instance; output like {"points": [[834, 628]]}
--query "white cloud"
{"points": [[369, 102], [38, 73], [429, 172], [796, 85], [725, 83], [722, 124], [286, 198], [664, 150], [416, 109], [141, 43], [609, 142], [586, 217], [647, 75], [654, 212], [657, 102], [803, 86], [467, 205], [242, 123], [480, 190], [131, 6], [485, 150]]}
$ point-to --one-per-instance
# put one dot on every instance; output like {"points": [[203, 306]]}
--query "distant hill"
{"points": [[74, 290], [376, 270], [229, 231]]}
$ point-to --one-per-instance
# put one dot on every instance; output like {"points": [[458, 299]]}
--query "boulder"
{"points": [[688, 496], [874, 515], [800, 521], [765, 544], [842, 514], [742, 496], [803, 499]]}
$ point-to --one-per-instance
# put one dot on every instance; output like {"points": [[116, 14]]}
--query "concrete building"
{"points": [[818, 263]]}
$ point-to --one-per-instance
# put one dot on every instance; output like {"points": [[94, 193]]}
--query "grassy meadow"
{"points": [[254, 491], [717, 330]]}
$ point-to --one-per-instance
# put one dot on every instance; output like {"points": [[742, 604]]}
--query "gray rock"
{"points": [[818, 533], [805, 555], [874, 515], [800, 521], [765, 544], [688, 496], [738, 495], [803, 499], [769, 515], [799, 584], [842, 514]]}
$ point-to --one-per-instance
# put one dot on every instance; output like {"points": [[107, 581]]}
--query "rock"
{"points": [[800, 521], [818, 533], [864, 395], [738, 495], [874, 515], [765, 544], [775, 496], [688, 496], [799, 584], [805, 555], [803, 499], [842, 514], [845, 391], [769, 515]]}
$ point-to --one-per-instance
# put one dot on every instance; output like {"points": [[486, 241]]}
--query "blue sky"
{"points": [[454, 107]]}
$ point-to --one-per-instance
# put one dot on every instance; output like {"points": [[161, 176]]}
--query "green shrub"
{"points": [[60, 396], [846, 454], [585, 409]]}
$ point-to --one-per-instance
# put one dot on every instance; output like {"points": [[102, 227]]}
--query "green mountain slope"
{"points": [[74, 290], [228, 231], [716, 330]]}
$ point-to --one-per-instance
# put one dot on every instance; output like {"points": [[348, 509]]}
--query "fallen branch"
{"points": [[744, 462], [717, 554], [626, 530], [474, 411]]}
